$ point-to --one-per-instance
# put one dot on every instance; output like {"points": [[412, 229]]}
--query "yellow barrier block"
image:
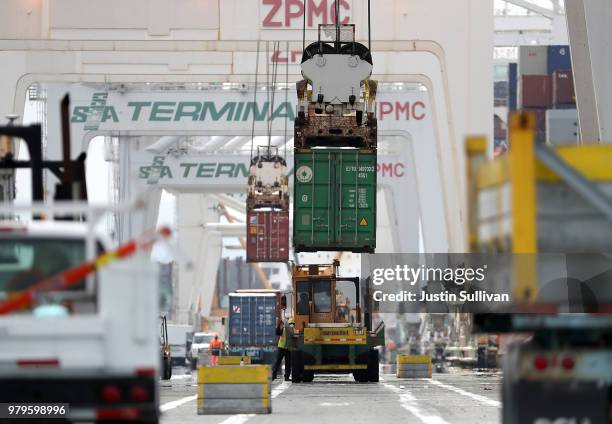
{"points": [[234, 374], [233, 360], [426, 372], [414, 359], [233, 406], [235, 391]]}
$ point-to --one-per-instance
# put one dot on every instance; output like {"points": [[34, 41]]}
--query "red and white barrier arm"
{"points": [[74, 275]]}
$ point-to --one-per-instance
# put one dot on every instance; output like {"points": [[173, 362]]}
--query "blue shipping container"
{"points": [[559, 59], [252, 320], [512, 86]]}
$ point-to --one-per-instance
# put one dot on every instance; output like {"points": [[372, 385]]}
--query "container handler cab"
{"points": [[331, 336]]}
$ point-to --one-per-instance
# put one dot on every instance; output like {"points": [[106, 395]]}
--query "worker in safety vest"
{"points": [[283, 352], [215, 347]]}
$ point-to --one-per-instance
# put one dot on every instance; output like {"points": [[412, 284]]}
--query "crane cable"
{"points": [[303, 31], [338, 23], [268, 115], [255, 108], [369, 28], [286, 96], [273, 78]]}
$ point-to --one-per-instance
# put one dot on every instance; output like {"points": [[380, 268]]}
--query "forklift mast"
{"points": [[70, 173]]}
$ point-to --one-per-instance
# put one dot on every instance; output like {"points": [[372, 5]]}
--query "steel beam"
{"points": [[548, 13], [583, 187], [584, 82]]}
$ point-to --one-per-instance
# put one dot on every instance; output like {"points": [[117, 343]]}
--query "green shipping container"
{"points": [[334, 200]]}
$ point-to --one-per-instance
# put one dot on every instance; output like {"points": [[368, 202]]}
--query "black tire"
{"points": [[360, 376], [297, 367], [166, 370], [307, 376], [373, 368]]}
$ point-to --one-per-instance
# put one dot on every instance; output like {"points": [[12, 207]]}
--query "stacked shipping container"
{"points": [[544, 82], [268, 208], [268, 235], [253, 318], [335, 200]]}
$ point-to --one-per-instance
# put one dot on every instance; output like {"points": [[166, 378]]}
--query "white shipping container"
{"points": [[533, 60], [562, 126]]}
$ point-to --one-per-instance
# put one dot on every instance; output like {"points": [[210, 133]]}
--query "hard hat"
{"points": [[291, 321]]}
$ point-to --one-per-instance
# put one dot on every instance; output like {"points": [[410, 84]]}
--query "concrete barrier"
{"points": [[389, 368], [233, 360], [234, 389], [204, 358], [414, 366]]}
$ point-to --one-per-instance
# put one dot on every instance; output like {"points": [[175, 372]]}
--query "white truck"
{"points": [[95, 345], [200, 344], [177, 338]]}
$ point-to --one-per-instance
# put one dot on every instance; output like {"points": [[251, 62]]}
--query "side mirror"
{"points": [[284, 302]]}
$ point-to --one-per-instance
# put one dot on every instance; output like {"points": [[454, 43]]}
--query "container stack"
{"points": [[414, 366], [232, 389], [268, 208], [545, 86]]}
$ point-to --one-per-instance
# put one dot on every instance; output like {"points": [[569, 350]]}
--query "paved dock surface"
{"points": [[457, 398]]}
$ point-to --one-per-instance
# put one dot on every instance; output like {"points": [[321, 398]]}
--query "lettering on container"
{"points": [[362, 198]]}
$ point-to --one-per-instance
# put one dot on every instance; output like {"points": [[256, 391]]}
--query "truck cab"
{"points": [[36, 251], [93, 344]]}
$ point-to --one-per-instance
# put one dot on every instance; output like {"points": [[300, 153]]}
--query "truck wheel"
{"points": [[373, 368], [360, 376], [166, 370], [297, 368], [307, 376]]}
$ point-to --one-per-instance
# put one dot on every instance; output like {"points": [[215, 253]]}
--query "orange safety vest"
{"points": [[215, 346]]}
